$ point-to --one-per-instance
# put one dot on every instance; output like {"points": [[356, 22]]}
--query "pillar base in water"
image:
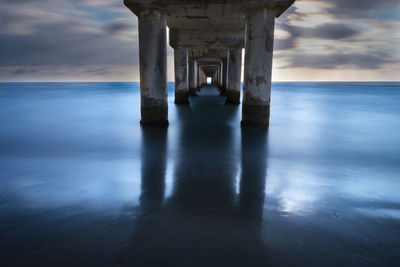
{"points": [[222, 91], [255, 115], [154, 115], [193, 91], [181, 97], [232, 97]]}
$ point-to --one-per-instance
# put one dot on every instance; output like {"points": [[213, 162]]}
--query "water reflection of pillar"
{"points": [[154, 150], [254, 171], [205, 165]]}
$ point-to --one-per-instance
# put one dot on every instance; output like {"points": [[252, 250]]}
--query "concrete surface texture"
{"points": [[207, 37]]}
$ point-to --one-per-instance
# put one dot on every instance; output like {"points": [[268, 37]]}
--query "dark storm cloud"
{"points": [[114, 27], [94, 35], [24, 1], [333, 31], [329, 31], [52, 46], [99, 71], [333, 34], [28, 38], [23, 71], [336, 61], [359, 8]]}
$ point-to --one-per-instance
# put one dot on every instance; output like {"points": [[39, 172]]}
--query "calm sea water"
{"points": [[82, 183]]}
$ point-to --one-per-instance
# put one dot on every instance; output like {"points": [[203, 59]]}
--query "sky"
{"points": [[97, 40]]}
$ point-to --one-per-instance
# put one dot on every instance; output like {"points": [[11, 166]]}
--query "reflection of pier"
{"points": [[206, 220], [207, 38]]}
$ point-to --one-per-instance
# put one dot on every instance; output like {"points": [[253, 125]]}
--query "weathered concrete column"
{"points": [[221, 73], [215, 78], [258, 67], [153, 67], [199, 76], [202, 78], [196, 78], [192, 77], [181, 76], [224, 75], [234, 76]]}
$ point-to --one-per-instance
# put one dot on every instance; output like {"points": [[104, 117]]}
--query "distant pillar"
{"points": [[224, 75], [196, 83], [215, 78], [181, 76], [192, 77], [200, 76], [153, 67], [196, 75], [258, 67], [203, 77], [221, 72], [234, 76]]}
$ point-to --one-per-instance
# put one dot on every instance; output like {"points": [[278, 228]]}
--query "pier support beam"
{"points": [[202, 78], [234, 76], [224, 75], [221, 74], [216, 80], [207, 30], [181, 76], [258, 67], [192, 77], [153, 67]]}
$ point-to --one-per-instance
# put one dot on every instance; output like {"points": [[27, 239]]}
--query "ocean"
{"points": [[83, 184]]}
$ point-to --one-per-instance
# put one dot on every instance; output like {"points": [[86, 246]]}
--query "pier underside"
{"points": [[208, 38]]}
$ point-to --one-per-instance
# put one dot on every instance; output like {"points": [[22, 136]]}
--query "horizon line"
{"points": [[322, 81]]}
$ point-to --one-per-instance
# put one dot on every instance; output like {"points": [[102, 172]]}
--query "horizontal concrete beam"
{"points": [[202, 61], [197, 53], [207, 38], [210, 69], [210, 66], [208, 13]]}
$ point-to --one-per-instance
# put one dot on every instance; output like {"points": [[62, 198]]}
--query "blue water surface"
{"points": [[82, 183]]}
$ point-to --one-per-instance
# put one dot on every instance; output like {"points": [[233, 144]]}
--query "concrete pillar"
{"points": [[215, 78], [153, 67], [196, 83], [258, 67], [192, 77], [202, 79], [181, 76], [224, 75], [218, 76], [220, 73], [234, 76], [199, 76]]}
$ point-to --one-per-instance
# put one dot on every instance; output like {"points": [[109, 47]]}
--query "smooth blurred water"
{"points": [[82, 183]]}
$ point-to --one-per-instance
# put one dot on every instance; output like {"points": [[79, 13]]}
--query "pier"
{"points": [[207, 38]]}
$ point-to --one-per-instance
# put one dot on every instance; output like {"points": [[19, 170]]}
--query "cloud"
{"points": [[23, 71], [359, 8], [320, 35], [98, 38], [119, 26], [328, 31], [37, 36], [332, 31], [337, 61]]}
